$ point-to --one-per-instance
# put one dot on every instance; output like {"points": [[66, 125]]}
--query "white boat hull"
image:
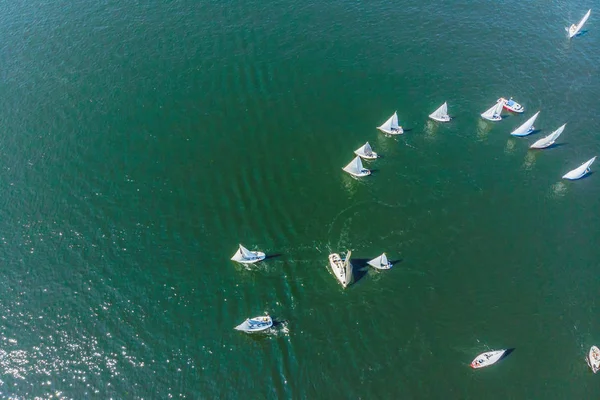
{"points": [[373, 156], [256, 324], [493, 119], [442, 119], [238, 257], [398, 131], [338, 267], [573, 30], [593, 359], [488, 358], [364, 172]]}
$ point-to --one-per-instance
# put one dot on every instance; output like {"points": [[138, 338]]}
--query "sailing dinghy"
{"points": [[355, 168], [256, 324], [580, 171], [380, 262], [593, 359], [245, 256], [366, 152], [487, 359], [342, 269], [574, 29], [441, 114], [548, 140], [493, 114], [527, 127], [391, 126]]}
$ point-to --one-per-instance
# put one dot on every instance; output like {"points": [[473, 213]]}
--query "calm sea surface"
{"points": [[142, 141]]}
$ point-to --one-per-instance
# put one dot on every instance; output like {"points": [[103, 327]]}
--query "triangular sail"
{"points": [[441, 112], [526, 127], [579, 171], [355, 166], [247, 254], [496, 109], [387, 125], [548, 140], [574, 30], [394, 124], [367, 150], [348, 268], [384, 261]]}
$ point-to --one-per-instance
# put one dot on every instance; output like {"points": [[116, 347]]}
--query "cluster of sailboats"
{"points": [[342, 267], [494, 114]]}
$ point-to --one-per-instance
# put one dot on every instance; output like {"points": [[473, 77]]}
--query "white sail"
{"points": [[366, 152], [246, 253], [348, 268], [493, 113], [580, 171], [245, 256], [355, 167], [548, 140], [380, 262], [391, 125], [441, 114], [527, 127], [574, 29]]}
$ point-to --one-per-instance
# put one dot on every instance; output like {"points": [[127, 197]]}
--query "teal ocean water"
{"points": [[142, 141]]}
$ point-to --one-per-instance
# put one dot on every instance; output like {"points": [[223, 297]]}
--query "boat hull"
{"points": [[593, 359], [373, 156], [488, 358], [364, 172], [400, 131], [256, 324], [511, 105], [447, 119], [238, 257], [337, 266], [493, 119]]}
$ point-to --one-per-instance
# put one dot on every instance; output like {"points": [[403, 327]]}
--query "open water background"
{"points": [[142, 141]]}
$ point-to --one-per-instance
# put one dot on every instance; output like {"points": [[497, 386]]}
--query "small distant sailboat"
{"points": [[380, 262], [441, 114], [355, 168], [493, 114], [245, 256], [342, 269], [391, 126], [574, 29], [593, 359], [580, 171], [256, 324], [548, 140], [487, 359], [366, 152], [527, 127]]}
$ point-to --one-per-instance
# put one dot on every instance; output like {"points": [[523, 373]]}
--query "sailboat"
{"points": [[441, 114], [355, 168], [245, 256], [391, 126], [487, 359], [256, 324], [493, 114], [366, 152], [580, 171], [380, 262], [527, 127], [574, 29], [593, 359], [342, 269], [548, 140]]}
